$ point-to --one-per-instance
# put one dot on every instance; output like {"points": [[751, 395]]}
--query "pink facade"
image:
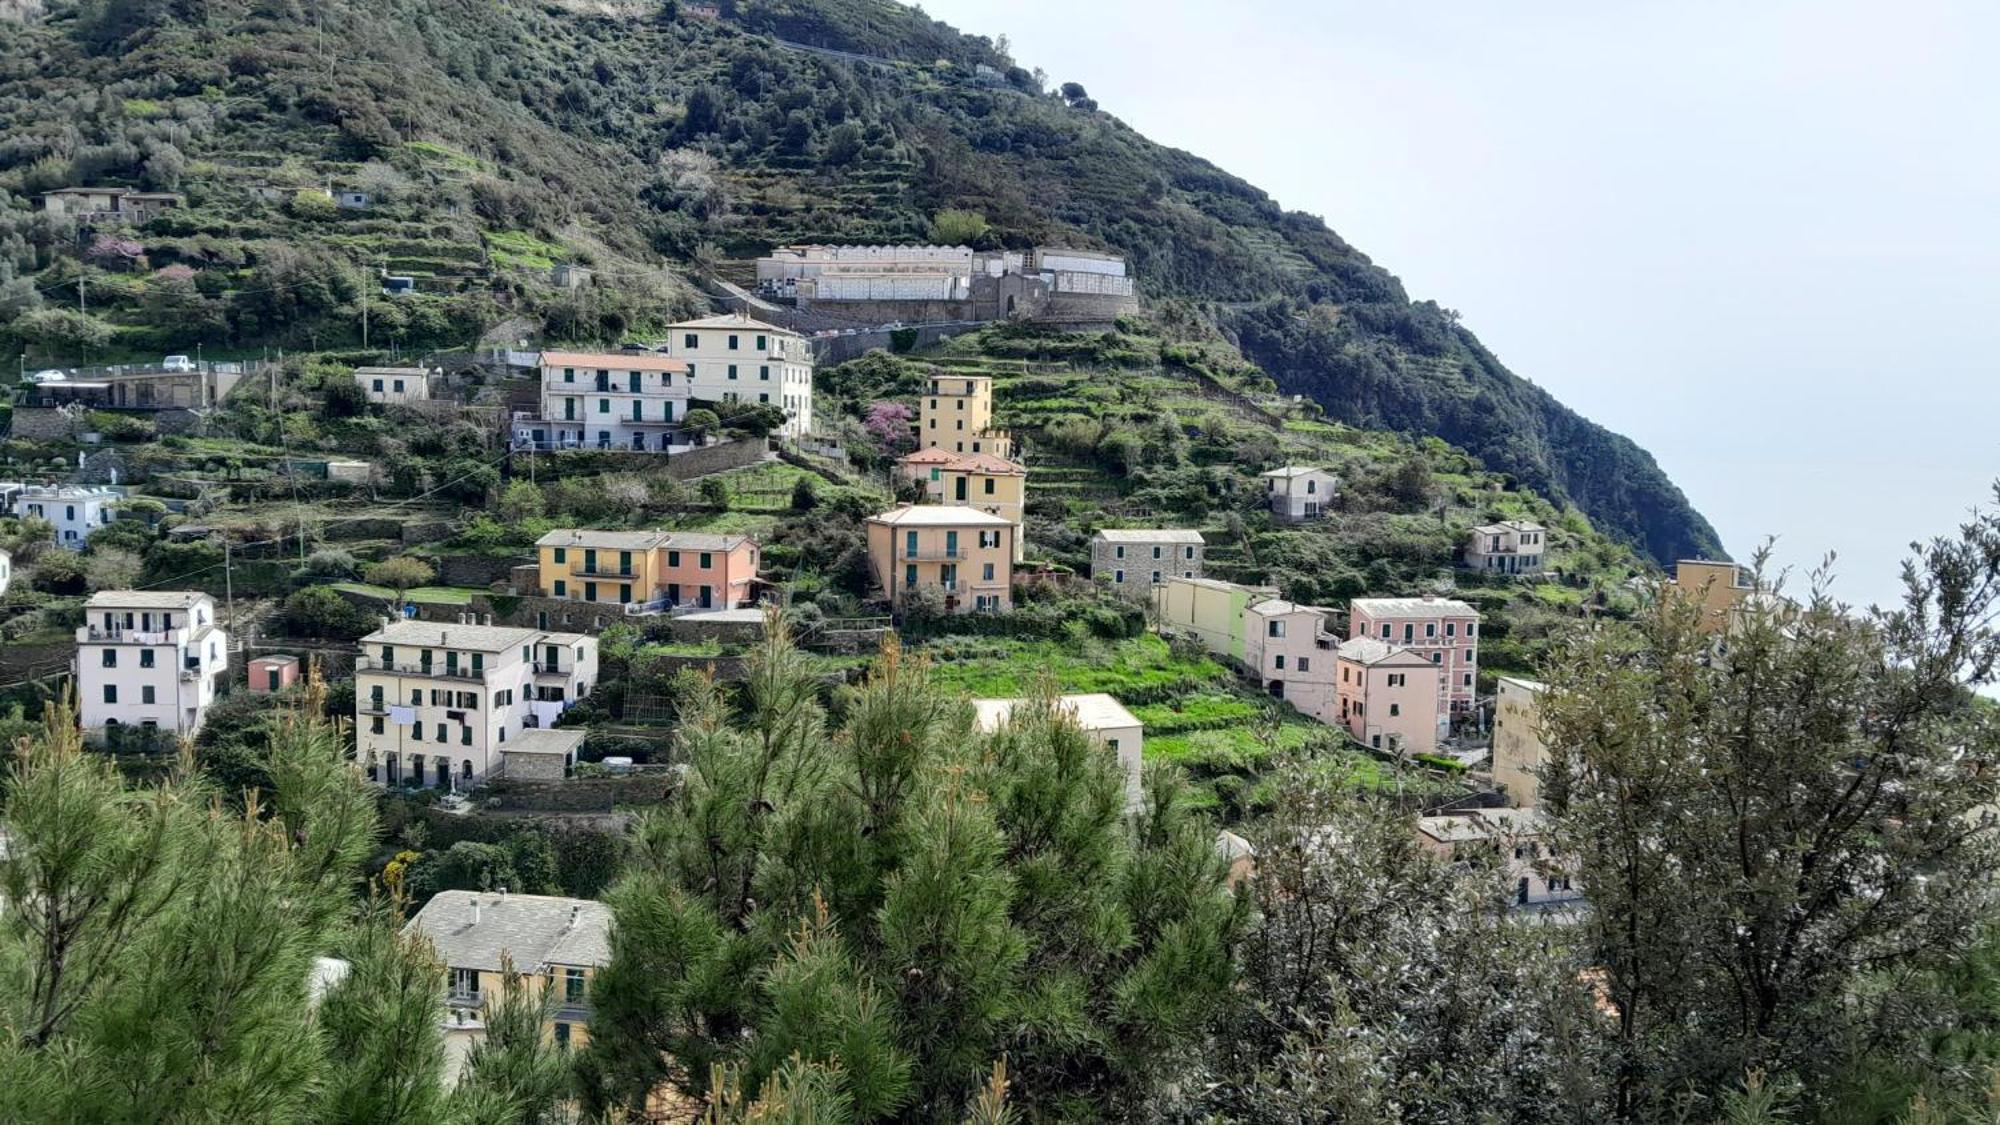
{"points": [[1388, 696], [272, 673], [1443, 631], [1292, 652], [707, 570]]}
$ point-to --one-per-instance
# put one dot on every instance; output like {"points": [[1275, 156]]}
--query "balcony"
{"points": [[934, 554], [441, 671], [599, 570], [97, 635]]}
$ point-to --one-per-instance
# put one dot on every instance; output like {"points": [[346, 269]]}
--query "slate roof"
{"points": [[537, 930]]}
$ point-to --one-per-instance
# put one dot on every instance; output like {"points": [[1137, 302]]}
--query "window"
{"points": [[989, 486], [1305, 663], [562, 588], [1274, 629], [569, 374], [375, 725], [464, 982], [378, 386], [1430, 629], [1398, 679], [761, 345], [764, 373], [1118, 552], [732, 342], [465, 737], [732, 371], [910, 575], [1188, 553], [604, 406], [417, 730], [690, 341], [562, 1036], [1468, 656], [1156, 552], [1156, 578], [399, 386], [573, 986], [146, 694], [110, 693], [1468, 679], [1279, 662], [987, 574], [707, 560], [1451, 628], [1118, 576], [110, 659], [1395, 709]]}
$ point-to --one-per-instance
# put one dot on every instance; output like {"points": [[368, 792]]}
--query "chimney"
{"points": [[573, 912], [503, 890], [475, 908]]}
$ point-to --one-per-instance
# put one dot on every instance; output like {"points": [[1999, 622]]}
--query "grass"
{"points": [[513, 248], [1137, 669]]}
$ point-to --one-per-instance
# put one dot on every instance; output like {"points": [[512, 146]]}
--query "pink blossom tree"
{"points": [[889, 423]]}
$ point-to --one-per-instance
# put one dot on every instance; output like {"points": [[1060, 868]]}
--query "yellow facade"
{"points": [[1719, 588], [601, 566], [1518, 751], [956, 414], [965, 553]]}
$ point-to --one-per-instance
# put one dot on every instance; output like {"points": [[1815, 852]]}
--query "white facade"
{"points": [[6, 571], [1059, 260], [1509, 547], [735, 358], [1299, 493], [149, 659], [609, 400], [885, 287], [389, 386], [437, 703], [1102, 717], [75, 512]]}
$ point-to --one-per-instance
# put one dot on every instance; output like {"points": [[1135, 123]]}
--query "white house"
{"points": [[609, 400], [387, 386], [1507, 547], [6, 571], [150, 659], [734, 358], [1298, 493], [75, 511], [435, 704], [1103, 718]]}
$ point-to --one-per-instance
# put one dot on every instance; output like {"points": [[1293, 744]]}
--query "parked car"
{"points": [[177, 363], [49, 376]]}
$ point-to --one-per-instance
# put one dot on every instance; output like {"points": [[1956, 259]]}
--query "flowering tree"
{"points": [[114, 253], [889, 423]]}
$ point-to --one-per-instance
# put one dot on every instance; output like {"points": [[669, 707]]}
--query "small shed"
{"points": [[273, 673], [540, 754]]}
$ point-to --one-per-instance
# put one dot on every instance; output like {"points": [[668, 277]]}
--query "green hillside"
{"points": [[497, 138]]}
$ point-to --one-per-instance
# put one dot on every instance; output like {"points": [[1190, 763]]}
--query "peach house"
{"points": [[1291, 651], [1721, 588], [963, 552], [1444, 630], [648, 571], [1389, 696], [974, 480]]}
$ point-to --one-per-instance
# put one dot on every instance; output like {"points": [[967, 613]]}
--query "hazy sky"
{"points": [[1761, 239]]}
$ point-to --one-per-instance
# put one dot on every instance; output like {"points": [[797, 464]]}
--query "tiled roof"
{"points": [[1412, 607], [535, 930], [1149, 535], [1290, 471], [939, 515], [931, 455], [1505, 526], [587, 537], [985, 463], [543, 740], [144, 599], [733, 320], [623, 361], [476, 638], [702, 541], [1368, 650]]}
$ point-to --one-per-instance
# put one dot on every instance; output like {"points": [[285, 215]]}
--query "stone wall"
{"points": [[714, 458], [475, 570], [829, 350], [38, 423], [581, 794]]}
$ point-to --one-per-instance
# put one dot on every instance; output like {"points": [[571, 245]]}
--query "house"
{"points": [[1518, 750], [149, 658], [271, 674], [1507, 547], [1209, 610], [1720, 588], [1291, 652], [1103, 718], [568, 275], [1444, 630], [956, 413], [735, 358], [120, 205], [540, 755], [394, 385], [609, 400], [74, 511], [350, 199], [974, 480], [648, 571], [1298, 493], [547, 942], [963, 552], [1516, 839], [436, 704], [6, 571], [1133, 561], [1388, 696]]}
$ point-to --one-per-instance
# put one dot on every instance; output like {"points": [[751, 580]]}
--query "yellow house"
{"points": [[1719, 587], [973, 480], [1209, 610], [1517, 741], [964, 552], [552, 943], [956, 414]]}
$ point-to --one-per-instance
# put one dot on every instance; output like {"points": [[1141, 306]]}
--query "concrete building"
{"points": [[436, 704], [1515, 839], [1444, 630], [1133, 561], [1518, 751], [114, 205], [1239, 854], [956, 413], [271, 674], [973, 480], [609, 400], [963, 552], [1388, 696], [392, 386], [1103, 718], [549, 943], [734, 358], [152, 659], [819, 270], [1507, 547], [1211, 611], [75, 511], [648, 571], [1290, 649], [1720, 588], [1299, 493]]}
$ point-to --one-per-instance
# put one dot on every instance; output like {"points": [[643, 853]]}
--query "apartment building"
{"points": [[1299, 493], [963, 552], [435, 704], [1211, 611], [1133, 561], [546, 942], [1507, 547], [1290, 649], [1720, 588], [648, 571], [973, 480], [152, 659], [609, 400], [734, 358], [74, 511], [1537, 877], [1518, 750], [393, 386], [1102, 717], [1388, 696], [1444, 630], [955, 413]]}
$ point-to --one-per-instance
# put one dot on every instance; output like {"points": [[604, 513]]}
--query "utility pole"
{"points": [[228, 585], [364, 309]]}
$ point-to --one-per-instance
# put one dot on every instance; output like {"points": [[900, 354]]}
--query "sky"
{"points": [[1762, 240]]}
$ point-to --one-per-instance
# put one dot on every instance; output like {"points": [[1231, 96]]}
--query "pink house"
{"points": [[1292, 652], [711, 571], [1389, 695], [1443, 631]]}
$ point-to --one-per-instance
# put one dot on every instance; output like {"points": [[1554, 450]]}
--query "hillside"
{"points": [[499, 138]]}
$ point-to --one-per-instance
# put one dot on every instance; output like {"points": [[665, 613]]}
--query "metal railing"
{"points": [[934, 554], [97, 635], [448, 671]]}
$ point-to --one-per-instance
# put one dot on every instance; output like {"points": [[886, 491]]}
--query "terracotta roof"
{"points": [[1368, 650], [623, 361], [985, 463], [733, 320], [934, 455]]}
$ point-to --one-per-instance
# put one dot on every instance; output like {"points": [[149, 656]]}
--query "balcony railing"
{"points": [[600, 570], [94, 634], [934, 554], [447, 671], [552, 668]]}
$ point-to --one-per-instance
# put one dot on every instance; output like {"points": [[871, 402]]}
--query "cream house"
{"points": [[1133, 561], [391, 386], [973, 480], [554, 947], [1298, 493], [965, 553], [1518, 750], [1720, 588], [633, 400], [1507, 547], [734, 358], [151, 659], [955, 413], [1102, 717], [1211, 611], [436, 704]]}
